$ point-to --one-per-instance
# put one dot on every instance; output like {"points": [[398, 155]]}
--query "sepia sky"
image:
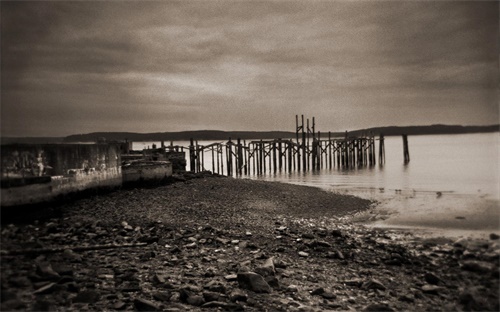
{"points": [[155, 66]]}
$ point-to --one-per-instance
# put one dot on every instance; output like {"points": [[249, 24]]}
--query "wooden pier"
{"points": [[309, 150]]}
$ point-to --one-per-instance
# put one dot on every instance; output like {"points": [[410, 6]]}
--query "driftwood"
{"points": [[62, 249]]}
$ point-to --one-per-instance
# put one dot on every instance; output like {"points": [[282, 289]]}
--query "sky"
{"points": [[160, 66]]}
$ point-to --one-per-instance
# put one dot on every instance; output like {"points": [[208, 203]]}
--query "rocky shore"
{"points": [[214, 243]]}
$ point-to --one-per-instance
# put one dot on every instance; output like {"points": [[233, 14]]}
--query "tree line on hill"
{"points": [[216, 135]]}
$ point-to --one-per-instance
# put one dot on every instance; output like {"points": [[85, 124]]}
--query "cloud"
{"points": [[213, 64]]}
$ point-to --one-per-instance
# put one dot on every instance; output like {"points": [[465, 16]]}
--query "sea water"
{"points": [[450, 186]]}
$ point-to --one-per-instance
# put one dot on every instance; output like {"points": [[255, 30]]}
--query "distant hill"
{"points": [[247, 135], [420, 130], [31, 140], [179, 136]]}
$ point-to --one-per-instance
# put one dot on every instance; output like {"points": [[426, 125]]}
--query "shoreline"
{"points": [[188, 246]]}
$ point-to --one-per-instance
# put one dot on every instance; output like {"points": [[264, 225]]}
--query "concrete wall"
{"points": [[34, 173], [20, 160]]}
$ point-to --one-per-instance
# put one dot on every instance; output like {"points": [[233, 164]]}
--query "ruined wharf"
{"points": [[309, 150]]}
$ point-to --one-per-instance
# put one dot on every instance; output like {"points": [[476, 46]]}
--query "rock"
{"points": [[119, 305], [145, 305], [406, 298], [380, 307], [477, 266], [308, 235], [163, 296], [216, 286], [431, 278], [303, 254], [267, 269], [337, 233], [373, 284], [292, 288], [211, 296], [328, 295], [231, 277], [44, 269], [272, 281], [318, 291], [87, 296], [494, 236], [47, 289], [223, 305], [195, 300], [186, 296], [253, 281], [322, 244], [238, 295], [431, 289]]}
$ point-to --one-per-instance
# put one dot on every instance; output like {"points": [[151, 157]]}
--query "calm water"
{"points": [[464, 169]]}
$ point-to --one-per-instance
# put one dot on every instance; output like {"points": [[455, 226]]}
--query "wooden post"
{"points": [[280, 161], [197, 151], [304, 151], [230, 158], [192, 159], [307, 146], [217, 153], [254, 155], [330, 150], [202, 162], [381, 150], [245, 157], [405, 149], [290, 154], [261, 156]]}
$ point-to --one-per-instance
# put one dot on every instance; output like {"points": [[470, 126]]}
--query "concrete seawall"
{"points": [[36, 173]]}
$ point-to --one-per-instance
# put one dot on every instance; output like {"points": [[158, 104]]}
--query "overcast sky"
{"points": [[79, 67]]}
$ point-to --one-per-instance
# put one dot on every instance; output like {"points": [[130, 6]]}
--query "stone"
{"points": [[431, 278], [44, 269], [145, 305], [328, 295], [308, 235], [380, 307], [223, 305], [292, 288], [431, 289], [253, 281], [195, 300], [86, 296], [494, 236], [272, 281], [211, 296], [477, 266], [303, 254], [337, 233], [318, 291], [231, 277], [163, 296], [238, 295], [119, 305], [323, 244], [373, 284], [47, 289]]}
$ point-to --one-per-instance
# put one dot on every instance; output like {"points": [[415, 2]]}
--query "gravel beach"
{"points": [[216, 243]]}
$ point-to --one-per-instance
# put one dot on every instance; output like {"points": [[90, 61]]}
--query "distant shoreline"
{"points": [[247, 135]]}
